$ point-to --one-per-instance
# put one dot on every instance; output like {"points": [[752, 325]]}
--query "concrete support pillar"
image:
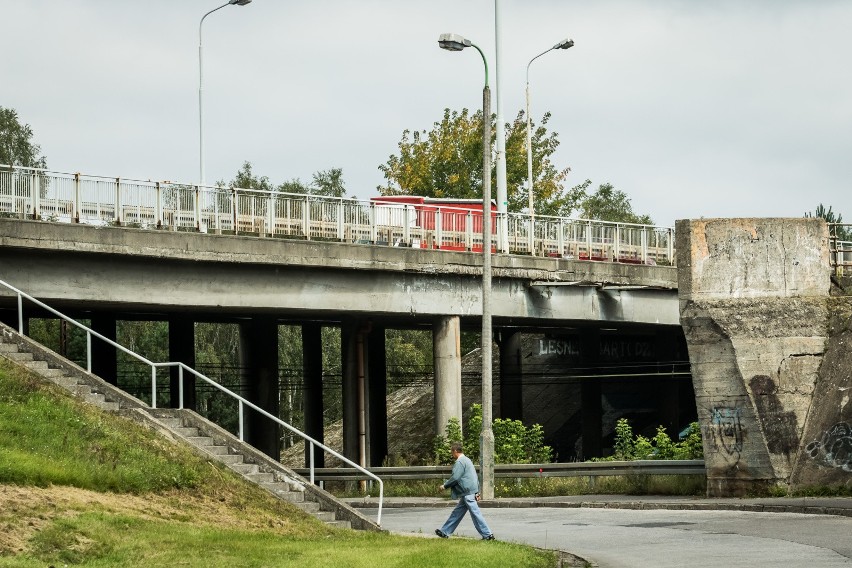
{"points": [[590, 395], [511, 376], [377, 390], [259, 361], [182, 349], [446, 347], [349, 370], [104, 356], [312, 389]]}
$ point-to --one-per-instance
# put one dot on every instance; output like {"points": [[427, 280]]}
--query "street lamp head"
{"points": [[453, 42], [564, 44], [239, 2]]}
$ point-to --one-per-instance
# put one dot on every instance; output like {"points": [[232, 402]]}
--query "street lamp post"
{"points": [[564, 44], [455, 42], [201, 89]]}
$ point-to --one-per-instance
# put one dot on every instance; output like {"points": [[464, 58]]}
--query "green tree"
{"points": [[843, 233], [447, 162], [16, 145], [608, 204]]}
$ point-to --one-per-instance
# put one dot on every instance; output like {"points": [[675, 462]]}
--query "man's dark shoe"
{"points": [[441, 534], [489, 537]]}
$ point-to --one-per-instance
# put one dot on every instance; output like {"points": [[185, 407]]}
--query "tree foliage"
{"points": [[513, 442], [660, 447], [328, 183], [608, 204], [447, 162], [16, 145], [843, 233]]}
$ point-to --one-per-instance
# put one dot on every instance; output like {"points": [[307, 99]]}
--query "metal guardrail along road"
{"points": [[574, 469]]}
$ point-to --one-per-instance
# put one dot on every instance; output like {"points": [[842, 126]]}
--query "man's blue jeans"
{"points": [[465, 504]]}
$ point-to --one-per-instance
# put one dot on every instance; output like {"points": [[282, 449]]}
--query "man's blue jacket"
{"points": [[463, 480]]}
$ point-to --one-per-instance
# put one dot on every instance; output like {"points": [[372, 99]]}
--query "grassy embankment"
{"points": [[82, 487]]}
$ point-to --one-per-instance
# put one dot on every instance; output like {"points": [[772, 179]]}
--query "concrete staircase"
{"points": [[183, 426]]}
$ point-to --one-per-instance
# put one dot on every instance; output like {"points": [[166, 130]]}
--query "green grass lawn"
{"points": [[80, 487]]}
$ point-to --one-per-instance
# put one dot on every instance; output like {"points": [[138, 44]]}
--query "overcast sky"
{"points": [[693, 108]]}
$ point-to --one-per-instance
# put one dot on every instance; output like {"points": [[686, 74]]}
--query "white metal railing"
{"points": [[242, 402], [77, 198]]}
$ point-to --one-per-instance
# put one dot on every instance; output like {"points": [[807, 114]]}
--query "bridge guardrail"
{"points": [[76, 198]]}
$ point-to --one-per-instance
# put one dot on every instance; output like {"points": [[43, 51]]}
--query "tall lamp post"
{"points": [[201, 88], [564, 44], [455, 42]]}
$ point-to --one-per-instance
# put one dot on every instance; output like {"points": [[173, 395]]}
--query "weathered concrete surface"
{"points": [[123, 269], [769, 368]]}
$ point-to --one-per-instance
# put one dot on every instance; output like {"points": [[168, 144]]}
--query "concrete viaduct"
{"points": [[757, 375]]}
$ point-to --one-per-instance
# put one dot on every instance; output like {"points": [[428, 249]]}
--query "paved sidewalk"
{"points": [[841, 506]]}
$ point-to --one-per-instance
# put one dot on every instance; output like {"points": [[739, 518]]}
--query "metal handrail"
{"points": [[76, 198], [181, 368]]}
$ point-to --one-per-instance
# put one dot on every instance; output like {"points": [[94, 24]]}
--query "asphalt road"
{"points": [[623, 538]]}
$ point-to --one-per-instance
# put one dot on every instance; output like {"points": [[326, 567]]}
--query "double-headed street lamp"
{"points": [[564, 44], [201, 88], [455, 42]]}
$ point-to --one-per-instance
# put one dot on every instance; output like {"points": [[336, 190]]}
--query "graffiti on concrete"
{"points": [[727, 433], [780, 427], [834, 448]]}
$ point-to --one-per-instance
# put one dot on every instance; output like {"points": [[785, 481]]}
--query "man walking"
{"points": [[464, 486]]}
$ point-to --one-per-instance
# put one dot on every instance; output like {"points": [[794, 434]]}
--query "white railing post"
{"points": [[406, 224], [439, 227], [617, 244], [77, 200], [306, 218], [468, 230], [20, 314], [311, 462], [180, 387], [341, 217], [240, 409], [560, 239], [670, 236], [234, 209], [158, 206], [36, 185], [89, 351], [270, 215], [374, 231], [117, 212], [531, 236], [197, 208], [153, 387], [644, 245]]}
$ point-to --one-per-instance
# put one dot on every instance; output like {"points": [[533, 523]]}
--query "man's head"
{"points": [[456, 449]]}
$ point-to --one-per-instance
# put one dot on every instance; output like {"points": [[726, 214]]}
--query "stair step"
{"points": [[325, 516], [260, 477], [340, 524], [311, 507], [245, 468], [172, 422], [282, 490], [35, 365], [187, 432], [110, 406], [19, 356], [52, 373], [65, 381], [200, 441], [93, 397], [80, 390], [8, 348], [229, 459], [221, 451]]}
